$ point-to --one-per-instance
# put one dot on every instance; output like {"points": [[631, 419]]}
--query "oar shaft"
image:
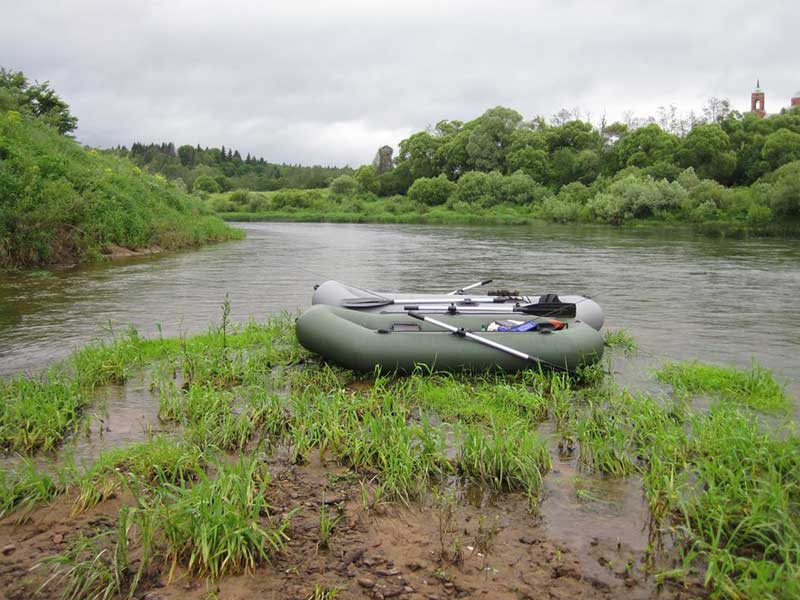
{"points": [[472, 336], [469, 287], [438, 309]]}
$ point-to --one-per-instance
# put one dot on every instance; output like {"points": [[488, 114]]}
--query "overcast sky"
{"points": [[329, 81]]}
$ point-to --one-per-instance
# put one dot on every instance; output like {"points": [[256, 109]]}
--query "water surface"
{"points": [[682, 296]]}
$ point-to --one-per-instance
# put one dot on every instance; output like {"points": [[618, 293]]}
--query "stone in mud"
{"points": [[571, 571], [365, 582], [8, 549], [529, 540]]}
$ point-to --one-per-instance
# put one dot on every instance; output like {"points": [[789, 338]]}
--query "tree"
{"points": [[38, 100], [707, 148], [344, 185], [490, 137], [367, 178], [716, 110], [419, 151], [186, 154], [781, 147], [532, 161], [644, 147]]}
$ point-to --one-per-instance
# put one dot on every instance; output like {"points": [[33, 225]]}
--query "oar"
{"points": [[380, 301], [566, 310], [469, 287], [460, 331]]}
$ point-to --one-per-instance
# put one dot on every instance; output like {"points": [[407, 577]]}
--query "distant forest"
{"points": [[222, 169]]}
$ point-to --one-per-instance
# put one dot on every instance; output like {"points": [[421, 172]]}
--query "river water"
{"points": [[682, 296]]}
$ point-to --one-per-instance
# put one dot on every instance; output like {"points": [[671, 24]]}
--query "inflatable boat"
{"points": [[462, 302], [362, 340]]}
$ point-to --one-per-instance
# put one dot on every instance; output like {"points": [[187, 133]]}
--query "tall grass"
{"points": [[221, 525], [38, 412], [505, 458], [154, 463], [724, 490], [621, 339], [26, 487]]}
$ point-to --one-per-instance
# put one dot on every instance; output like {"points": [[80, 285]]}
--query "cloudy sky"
{"points": [[328, 82]]}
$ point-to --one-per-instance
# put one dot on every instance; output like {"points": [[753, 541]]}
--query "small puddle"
{"points": [[119, 416], [602, 520]]}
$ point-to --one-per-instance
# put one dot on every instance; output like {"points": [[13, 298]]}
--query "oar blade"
{"points": [[565, 310]]}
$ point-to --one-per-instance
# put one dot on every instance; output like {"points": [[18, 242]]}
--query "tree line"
{"points": [[204, 169], [720, 166]]}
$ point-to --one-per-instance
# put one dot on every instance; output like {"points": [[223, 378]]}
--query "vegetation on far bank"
{"points": [[730, 174], [327, 206], [720, 485], [62, 203]]}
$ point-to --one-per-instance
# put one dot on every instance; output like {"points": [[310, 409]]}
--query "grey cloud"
{"points": [[328, 82]]}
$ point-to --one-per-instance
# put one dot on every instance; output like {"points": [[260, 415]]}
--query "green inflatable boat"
{"points": [[361, 341]]}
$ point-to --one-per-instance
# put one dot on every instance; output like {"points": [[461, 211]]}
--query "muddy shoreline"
{"points": [[444, 547]]}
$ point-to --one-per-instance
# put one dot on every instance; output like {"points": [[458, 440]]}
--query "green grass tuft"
{"points": [[150, 464], [622, 339], [37, 413], [755, 387], [221, 525]]}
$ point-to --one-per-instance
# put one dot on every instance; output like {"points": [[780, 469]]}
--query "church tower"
{"points": [[757, 101]]}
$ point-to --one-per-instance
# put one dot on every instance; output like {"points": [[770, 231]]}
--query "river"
{"points": [[682, 296]]}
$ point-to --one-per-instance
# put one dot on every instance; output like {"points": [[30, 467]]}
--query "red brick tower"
{"points": [[796, 99], [757, 101]]}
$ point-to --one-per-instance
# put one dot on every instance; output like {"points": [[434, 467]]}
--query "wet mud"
{"points": [[456, 542]]}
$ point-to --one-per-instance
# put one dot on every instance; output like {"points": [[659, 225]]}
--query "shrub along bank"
{"points": [[768, 207], [62, 203]]}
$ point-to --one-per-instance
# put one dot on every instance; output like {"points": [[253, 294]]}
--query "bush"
{"points": [[635, 198], [221, 204], [431, 190], [472, 187], [522, 189], [205, 183], [240, 197], [491, 189], [344, 185], [298, 199], [782, 189], [258, 203]]}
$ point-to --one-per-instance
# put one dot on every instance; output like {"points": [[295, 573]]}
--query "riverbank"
{"points": [[66, 204], [320, 206], [302, 470]]}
